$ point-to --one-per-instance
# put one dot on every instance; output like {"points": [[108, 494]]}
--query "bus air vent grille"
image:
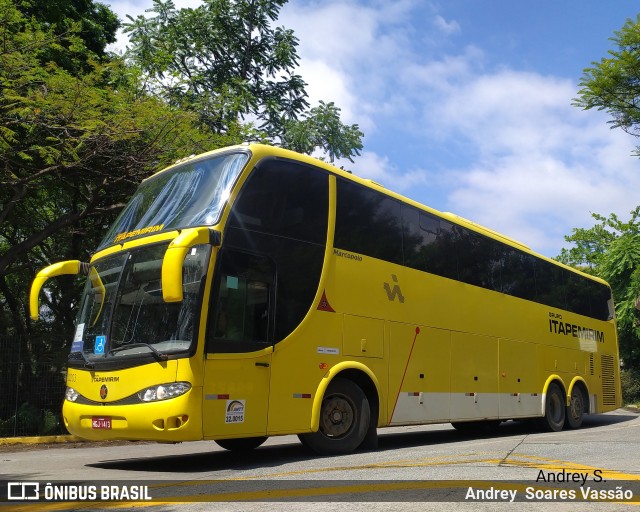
{"points": [[608, 380], [591, 364]]}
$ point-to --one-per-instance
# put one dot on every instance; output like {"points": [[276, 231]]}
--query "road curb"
{"points": [[8, 441]]}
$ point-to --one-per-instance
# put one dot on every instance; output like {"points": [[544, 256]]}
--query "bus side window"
{"points": [[550, 286], [578, 296], [478, 260], [240, 315], [419, 233], [601, 303], [518, 274], [368, 222]]}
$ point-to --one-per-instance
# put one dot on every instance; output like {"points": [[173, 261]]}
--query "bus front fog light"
{"points": [[164, 391], [71, 395]]}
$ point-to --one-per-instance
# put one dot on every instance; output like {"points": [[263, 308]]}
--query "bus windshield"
{"points": [[192, 194], [123, 316]]}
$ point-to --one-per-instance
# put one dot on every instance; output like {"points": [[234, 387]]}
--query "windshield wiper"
{"points": [[87, 364], [160, 356]]}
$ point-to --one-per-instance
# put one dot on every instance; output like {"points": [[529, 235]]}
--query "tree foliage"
{"points": [[321, 129], [225, 61], [73, 146], [611, 250], [91, 22], [80, 128], [78, 132], [613, 84]]}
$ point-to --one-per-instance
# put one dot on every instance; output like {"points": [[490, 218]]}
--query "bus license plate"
{"points": [[101, 423]]}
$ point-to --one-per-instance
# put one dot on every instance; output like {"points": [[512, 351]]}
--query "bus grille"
{"points": [[608, 380], [591, 364]]}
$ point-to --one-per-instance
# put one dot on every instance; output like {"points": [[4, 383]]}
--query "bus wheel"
{"points": [[344, 420], [555, 409], [576, 408], [242, 444]]}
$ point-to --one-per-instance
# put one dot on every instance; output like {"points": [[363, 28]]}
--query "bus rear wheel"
{"points": [[576, 408], [242, 444], [554, 410], [345, 415]]}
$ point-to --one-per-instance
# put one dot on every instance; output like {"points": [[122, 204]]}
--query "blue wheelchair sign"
{"points": [[98, 347]]}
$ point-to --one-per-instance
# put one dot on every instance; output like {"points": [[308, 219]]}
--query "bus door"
{"points": [[239, 348]]}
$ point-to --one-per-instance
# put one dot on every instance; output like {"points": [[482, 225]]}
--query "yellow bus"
{"points": [[252, 292]]}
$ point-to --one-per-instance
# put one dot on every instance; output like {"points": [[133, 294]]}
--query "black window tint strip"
{"points": [[371, 223]]}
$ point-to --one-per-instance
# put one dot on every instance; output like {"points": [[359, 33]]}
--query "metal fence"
{"points": [[31, 391]]}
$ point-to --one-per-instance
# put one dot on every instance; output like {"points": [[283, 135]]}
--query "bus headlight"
{"points": [[164, 391], [71, 394]]}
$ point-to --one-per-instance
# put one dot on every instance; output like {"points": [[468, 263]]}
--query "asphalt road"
{"points": [[415, 468]]}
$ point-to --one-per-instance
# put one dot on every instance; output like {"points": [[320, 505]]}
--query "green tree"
{"points": [[91, 22], [74, 143], [73, 147], [321, 128], [611, 250], [225, 61], [80, 128], [613, 84], [99, 24]]}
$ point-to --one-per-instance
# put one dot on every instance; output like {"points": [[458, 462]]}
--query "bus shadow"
{"points": [[282, 454], [448, 434], [214, 460]]}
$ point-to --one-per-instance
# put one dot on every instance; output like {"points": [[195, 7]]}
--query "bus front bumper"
{"points": [[174, 420]]}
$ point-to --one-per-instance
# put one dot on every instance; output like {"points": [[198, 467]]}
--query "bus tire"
{"points": [[576, 408], [241, 444], [345, 417], [554, 410]]}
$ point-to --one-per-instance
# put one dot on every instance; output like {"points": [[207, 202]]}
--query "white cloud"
{"points": [[349, 52], [511, 111], [533, 200], [327, 84], [379, 169], [533, 166], [448, 27], [438, 74], [543, 166], [519, 158]]}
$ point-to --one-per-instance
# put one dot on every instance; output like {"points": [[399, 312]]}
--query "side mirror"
{"points": [[71, 267], [174, 259]]}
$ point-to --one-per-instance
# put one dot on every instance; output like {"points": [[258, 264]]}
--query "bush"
{"points": [[630, 381], [31, 421]]}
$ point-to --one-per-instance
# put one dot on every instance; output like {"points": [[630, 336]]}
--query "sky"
{"points": [[466, 105]]}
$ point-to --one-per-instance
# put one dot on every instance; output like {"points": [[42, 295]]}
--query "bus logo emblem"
{"points": [[103, 391], [395, 292]]}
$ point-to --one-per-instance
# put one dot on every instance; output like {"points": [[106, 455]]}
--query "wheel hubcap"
{"points": [[576, 407], [338, 416]]}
